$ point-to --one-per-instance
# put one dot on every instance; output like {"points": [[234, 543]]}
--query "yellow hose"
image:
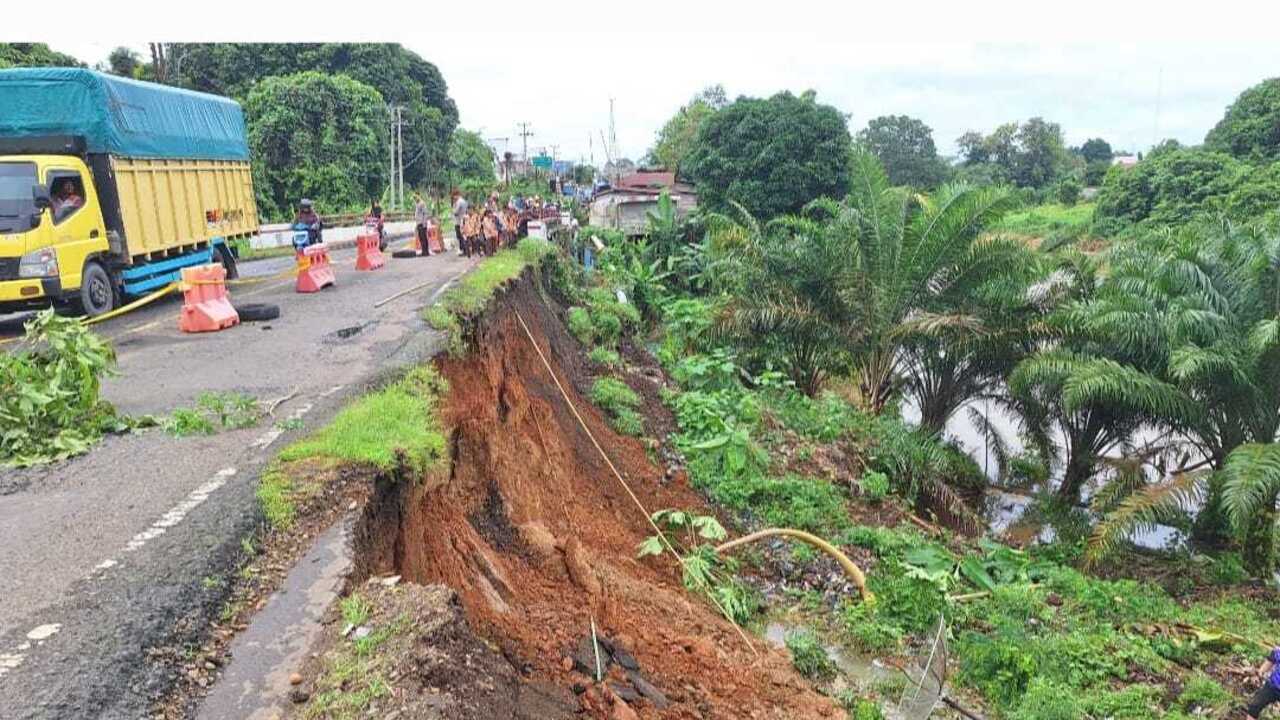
{"points": [[853, 571]]}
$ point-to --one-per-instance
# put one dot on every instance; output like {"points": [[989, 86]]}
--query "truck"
{"points": [[110, 186]]}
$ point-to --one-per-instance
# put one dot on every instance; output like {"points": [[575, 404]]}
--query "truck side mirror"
{"points": [[40, 194]]}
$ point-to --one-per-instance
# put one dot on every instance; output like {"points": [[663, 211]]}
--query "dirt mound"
{"points": [[530, 527]]}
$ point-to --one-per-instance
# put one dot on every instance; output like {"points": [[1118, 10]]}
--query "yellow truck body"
{"points": [[181, 205]]}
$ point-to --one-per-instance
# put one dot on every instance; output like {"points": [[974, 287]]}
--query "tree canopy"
{"points": [[773, 155], [1250, 129], [317, 136], [904, 146], [400, 76], [1096, 150], [469, 156], [1028, 155], [1174, 185], [676, 138], [34, 55]]}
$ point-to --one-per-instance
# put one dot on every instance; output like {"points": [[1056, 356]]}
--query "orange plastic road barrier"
{"points": [[368, 255], [314, 271], [205, 305], [435, 239]]}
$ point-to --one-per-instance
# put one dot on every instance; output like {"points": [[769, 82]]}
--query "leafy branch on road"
{"points": [[213, 412], [50, 404]]}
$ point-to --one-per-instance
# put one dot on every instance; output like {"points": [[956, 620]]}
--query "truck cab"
{"points": [[53, 240]]}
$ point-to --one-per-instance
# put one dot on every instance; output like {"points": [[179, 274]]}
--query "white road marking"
{"points": [[12, 660], [44, 632]]}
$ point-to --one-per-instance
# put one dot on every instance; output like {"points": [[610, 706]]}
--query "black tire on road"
{"points": [[98, 294], [256, 312], [405, 253], [222, 254]]}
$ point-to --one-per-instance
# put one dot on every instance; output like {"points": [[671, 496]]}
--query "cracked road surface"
{"points": [[109, 558]]}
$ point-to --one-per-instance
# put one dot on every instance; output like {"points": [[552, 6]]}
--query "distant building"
{"points": [[1125, 160], [625, 205]]}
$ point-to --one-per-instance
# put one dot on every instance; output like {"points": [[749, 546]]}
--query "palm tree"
{"points": [[1192, 322], [794, 294], [925, 268]]}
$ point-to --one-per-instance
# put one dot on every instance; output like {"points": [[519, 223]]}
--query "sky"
{"points": [[1133, 82]]}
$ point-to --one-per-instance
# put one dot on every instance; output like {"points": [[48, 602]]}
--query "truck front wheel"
{"points": [[97, 293]]}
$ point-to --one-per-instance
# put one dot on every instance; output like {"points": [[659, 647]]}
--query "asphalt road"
{"points": [[110, 557]]}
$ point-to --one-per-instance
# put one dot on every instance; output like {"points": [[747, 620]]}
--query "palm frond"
{"points": [[1251, 480], [1142, 511]]}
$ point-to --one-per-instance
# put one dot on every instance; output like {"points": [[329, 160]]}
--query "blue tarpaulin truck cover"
{"points": [[120, 116]]}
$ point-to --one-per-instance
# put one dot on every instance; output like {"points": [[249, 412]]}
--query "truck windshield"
{"points": [[16, 204]]}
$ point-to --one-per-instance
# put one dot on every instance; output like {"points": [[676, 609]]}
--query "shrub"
{"points": [[619, 401], [809, 657], [580, 325], [874, 485], [605, 356], [1202, 693]]}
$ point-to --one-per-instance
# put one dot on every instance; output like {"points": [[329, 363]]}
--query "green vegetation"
{"points": [[213, 412], [1248, 130], [796, 346], [277, 496], [316, 136], [392, 424], [1027, 155], [34, 55], [1051, 221], [772, 155], [355, 672], [605, 356], [678, 136], [50, 404], [620, 402], [809, 657], [904, 146], [472, 293]]}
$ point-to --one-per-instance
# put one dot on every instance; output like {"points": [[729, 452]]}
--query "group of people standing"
{"points": [[483, 230]]}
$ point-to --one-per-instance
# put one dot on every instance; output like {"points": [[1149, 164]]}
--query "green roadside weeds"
{"points": [[214, 412], [472, 293]]}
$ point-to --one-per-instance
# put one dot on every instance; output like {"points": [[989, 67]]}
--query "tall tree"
{"points": [[771, 155], [1191, 321], [322, 137], [1096, 150], [124, 62], [904, 145], [1029, 155], [1251, 127], [676, 138], [469, 156]]}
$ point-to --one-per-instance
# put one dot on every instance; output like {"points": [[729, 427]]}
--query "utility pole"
{"points": [[400, 154], [524, 137], [391, 174]]}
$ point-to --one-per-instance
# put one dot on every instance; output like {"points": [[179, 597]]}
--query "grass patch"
{"points": [[355, 675], [275, 496], [620, 402], [1041, 220], [398, 418], [473, 291], [809, 657]]}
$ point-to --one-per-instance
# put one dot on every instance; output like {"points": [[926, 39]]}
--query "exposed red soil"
{"points": [[530, 527]]}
